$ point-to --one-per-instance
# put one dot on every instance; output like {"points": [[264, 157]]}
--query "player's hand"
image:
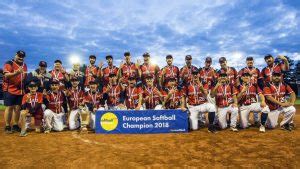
{"points": [[263, 104], [163, 72], [28, 98], [234, 105], [19, 71], [63, 71], [282, 57], [101, 64], [95, 109], [138, 63], [44, 92], [121, 64], [138, 107], [183, 109], [286, 104]]}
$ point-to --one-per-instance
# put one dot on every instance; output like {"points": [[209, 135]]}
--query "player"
{"points": [[115, 96], [128, 69], [32, 107], [54, 114], [133, 95], [169, 72], [230, 71], [196, 95], [13, 90], [208, 74], [247, 99], [42, 75], [91, 71], [148, 69], [152, 97], [266, 72], [76, 73], [94, 101], [59, 74], [173, 95], [79, 116], [275, 93], [226, 101], [110, 69], [186, 71]]}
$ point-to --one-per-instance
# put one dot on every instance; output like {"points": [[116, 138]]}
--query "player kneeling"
{"points": [[94, 101], [152, 97], [79, 116], [247, 98], [173, 96], [134, 95], [196, 95], [114, 95], [226, 102], [275, 93], [32, 107], [54, 114]]}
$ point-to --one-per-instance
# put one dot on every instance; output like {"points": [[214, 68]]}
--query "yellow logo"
{"points": [[109, 121]]}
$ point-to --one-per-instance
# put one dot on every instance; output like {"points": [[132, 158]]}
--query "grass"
{"points": [[2, 107]]}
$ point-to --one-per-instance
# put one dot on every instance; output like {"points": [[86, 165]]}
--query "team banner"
{"points": [[142, 121]]}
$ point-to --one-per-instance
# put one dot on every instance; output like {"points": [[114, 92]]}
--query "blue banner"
{"points": [[142, 121]]}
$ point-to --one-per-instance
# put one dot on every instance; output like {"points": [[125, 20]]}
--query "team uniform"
{"points": [[174, 101], [33, 103], [279, 93], [132, 97], [149, 70], [153, 100], [170, 73], [231, 74], [93, 101], [197, 103], [249, 103], [185, 74], [224, 101], [13, 87], [90, 74], [75, 99], [54, 114], [106, 72], [266, 72], [208, 76], [114, 98], [129, 70], [60, 77]]}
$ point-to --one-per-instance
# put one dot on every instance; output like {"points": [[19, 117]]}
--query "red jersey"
{"points": [[254, 72], [95, 99], [90, 74], [33, 102], [75, 98], [208, 76], [194, 95], [56, 101], [186, 74], [250, 96], [114, 95], [129, 70], [170, 72], [132, 97], [149, 69], [278, 93], [106, 72], [153, 95], [231, 74], [266, 72], [14, 84], [224, 95], [174, 101]]}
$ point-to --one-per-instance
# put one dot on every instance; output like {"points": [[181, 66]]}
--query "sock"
{"points": [[211, 117], [263, 117]]}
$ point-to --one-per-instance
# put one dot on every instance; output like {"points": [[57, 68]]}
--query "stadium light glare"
{"points": [[74, 58]]}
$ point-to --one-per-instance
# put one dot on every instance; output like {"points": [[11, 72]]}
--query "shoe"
{"points": [[7, 130], [83, 130], [286, 127], [292, 126], [47, 131], [212, 129], [37, 130], [257, 124], [262, 129], [234, 129], [23, 134], [16, 128]]}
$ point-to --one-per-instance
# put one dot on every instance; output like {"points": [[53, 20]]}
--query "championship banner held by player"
{"points": [[142, 121]]}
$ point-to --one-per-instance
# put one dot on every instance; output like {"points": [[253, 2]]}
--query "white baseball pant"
{"points": [[222, 113], [245, 111], [93, 118], [288, 115], [54, 121], [199, 109]]}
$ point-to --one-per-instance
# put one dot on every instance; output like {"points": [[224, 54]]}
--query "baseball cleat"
{"points": [[234, 129], [23, 134], [7, 130], [16, 128], [212, 129], [37, 130], [47, 131], [262, 129], [286, 127]]}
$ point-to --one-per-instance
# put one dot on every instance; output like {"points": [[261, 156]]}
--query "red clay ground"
{"points": [[247, 148]]}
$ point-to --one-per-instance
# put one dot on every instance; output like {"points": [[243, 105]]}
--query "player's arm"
{"points": [[262, 100], [241, 94], [214, 90], [285, 66], [162, 76], [292, 98], [235, 103], [140, 101], [183, 103]]}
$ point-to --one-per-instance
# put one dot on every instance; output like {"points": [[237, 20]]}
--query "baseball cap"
{"points": [[222, 59], [108, 56], [43, 64], [148, 76], [74, 79], [32, 83], [195, 72], [249, 58], [112, 75], [127, 54], [246, 74], [92, 56], [131, 78], [21, 53], [92, 82], [208, 59], [169, 56], [223, 75], [53, 81], [276, 73], [188, 57], [146, 54]]}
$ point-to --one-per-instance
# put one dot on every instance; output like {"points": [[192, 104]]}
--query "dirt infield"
{"points": [[247, 148]]}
